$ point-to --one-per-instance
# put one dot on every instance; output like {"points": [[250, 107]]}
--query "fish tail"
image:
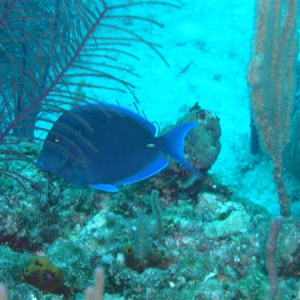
{"points": [[172, 143]]}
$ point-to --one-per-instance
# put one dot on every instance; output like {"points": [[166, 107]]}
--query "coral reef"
{"points": [[181, 262], [168, 237]]}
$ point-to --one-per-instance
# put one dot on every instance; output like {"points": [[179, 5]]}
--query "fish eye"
{"points": [[56, 139], [150, 146]]}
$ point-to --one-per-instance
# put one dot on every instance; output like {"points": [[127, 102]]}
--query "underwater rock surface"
{"points": [[204, 244], [193, 241]]}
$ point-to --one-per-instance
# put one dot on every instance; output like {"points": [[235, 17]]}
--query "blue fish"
{"points": [[104, 146]]}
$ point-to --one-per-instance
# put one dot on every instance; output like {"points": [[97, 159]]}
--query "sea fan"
{"points": [[53, 54]]}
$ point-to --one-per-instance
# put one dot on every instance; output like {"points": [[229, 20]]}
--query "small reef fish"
{"points": [[104, 146]]}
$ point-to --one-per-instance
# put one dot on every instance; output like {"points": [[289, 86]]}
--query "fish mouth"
{"points": [[41, 165]]}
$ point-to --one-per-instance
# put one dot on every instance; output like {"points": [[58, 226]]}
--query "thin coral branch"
{"points": [[275, 226]]}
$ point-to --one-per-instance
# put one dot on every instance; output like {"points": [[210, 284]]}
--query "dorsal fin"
{"points": [[128, 113]]}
